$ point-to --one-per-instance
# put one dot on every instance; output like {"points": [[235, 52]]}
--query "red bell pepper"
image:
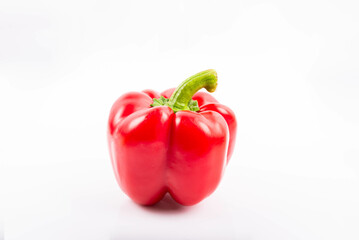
{"points": [[177, 142]]}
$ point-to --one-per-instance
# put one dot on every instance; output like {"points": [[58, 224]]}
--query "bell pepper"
{"points": [[177, 142]]}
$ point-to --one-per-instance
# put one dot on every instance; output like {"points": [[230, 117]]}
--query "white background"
{"points": [[289, 70]]}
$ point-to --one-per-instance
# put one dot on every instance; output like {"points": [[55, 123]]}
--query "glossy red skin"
{"points": [[155, 151]]}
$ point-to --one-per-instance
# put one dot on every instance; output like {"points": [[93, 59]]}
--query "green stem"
{"points": [[183, 94]]}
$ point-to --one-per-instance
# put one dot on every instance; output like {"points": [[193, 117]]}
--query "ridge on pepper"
{"points": [[177, 142]]}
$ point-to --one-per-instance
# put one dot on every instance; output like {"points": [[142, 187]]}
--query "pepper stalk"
{"points": [[181, 99]]}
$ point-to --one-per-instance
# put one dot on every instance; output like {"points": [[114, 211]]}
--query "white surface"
{"points": [[290, 71]]}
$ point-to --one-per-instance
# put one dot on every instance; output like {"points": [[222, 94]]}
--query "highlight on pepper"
{"points": [[177, 142]]}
